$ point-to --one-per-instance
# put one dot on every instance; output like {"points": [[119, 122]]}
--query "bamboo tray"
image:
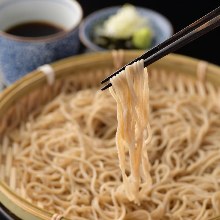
{"points": [[17, 95]]}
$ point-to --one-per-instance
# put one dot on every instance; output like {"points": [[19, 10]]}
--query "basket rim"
{"points": [[101, 55], [36, 78], [57, 65]]}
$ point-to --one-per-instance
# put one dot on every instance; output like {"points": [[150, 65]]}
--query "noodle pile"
{"points": [[69, 164]]}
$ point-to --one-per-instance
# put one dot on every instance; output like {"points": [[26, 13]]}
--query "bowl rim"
{"points": [[87, 42]]}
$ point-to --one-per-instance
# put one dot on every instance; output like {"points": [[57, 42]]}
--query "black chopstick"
{"points": [[178, 40]]}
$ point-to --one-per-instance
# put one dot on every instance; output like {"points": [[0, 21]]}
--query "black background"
{"points": [[180, 13]]}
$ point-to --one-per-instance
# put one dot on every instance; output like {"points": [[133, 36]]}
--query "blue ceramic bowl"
{"points": [[161, 26], [21, 55]]}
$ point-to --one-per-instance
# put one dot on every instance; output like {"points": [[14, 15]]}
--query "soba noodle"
{"points": [[64, 157], [131, 92]]}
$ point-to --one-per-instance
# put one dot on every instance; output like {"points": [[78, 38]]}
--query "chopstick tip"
{"points": [[106, 86]]}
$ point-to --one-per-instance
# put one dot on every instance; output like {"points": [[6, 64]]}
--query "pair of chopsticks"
{"points": [[178, 40]]}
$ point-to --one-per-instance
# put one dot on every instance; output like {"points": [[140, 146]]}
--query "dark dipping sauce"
{"points": [[34, 29]]}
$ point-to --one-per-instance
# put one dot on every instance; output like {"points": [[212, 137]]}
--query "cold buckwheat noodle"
{"points": [[131, 92], [64, 158]]}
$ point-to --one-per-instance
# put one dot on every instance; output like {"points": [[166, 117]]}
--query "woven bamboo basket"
{"points": [[18, 100]]}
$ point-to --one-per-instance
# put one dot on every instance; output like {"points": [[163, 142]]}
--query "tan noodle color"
{"points": [[131, 92], [64, 157]]}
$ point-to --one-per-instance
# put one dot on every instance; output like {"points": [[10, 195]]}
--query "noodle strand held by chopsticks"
{"points": [[131, 92]]}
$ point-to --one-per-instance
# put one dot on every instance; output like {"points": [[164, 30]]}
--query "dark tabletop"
{"points": [[180, 13]]}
